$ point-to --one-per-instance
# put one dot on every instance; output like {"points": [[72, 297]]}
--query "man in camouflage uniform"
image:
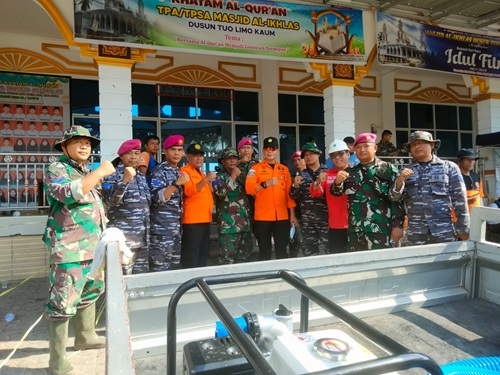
{"points": [[296, 241], [430, 187], [246, 162], [313, 210], [374, 221], [233, 221], [385, 146], [127, 198], [166, 208], [75, 222]]}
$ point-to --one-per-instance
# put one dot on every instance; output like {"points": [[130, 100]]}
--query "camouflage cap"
{"points": [[227, 153], [424, 136], [310, 146], [76, 131]]}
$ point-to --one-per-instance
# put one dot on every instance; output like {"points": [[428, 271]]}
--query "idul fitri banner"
{"points": [[258, 28], [409, 43]]}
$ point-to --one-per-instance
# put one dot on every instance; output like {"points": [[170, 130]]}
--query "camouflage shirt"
{"points": [[311, 208], [75, 221], [367, 189], [231, 203], [430, 193], [165, 213], [385, 148], [128, 206], [245, 166]]}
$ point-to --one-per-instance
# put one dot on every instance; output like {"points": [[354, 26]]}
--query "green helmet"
{"points": [[76, 131]]}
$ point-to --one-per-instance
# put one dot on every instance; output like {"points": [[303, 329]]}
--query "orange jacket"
{"points": [[197, 206], [271, 204]]}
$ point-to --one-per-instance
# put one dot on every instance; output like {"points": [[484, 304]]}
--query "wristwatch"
{"points": [[263, 184], [174, 184]]}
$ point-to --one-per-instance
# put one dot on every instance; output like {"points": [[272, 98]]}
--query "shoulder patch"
{"points": [[251, 172]]}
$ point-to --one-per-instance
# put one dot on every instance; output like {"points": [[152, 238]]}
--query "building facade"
{"points": [[119, 92]]}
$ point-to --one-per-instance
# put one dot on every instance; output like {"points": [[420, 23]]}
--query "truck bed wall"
{"points": [[366, 283]]}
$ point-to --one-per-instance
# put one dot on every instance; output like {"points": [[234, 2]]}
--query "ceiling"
{"points": [[469, 14]]}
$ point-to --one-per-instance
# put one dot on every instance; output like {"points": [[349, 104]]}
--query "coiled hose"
{"points": [[473, 366]]}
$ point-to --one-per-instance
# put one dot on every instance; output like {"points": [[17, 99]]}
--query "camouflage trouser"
{"points": [[139, 263], [71, 289], [422, 239], [313, 235], [164, 251], [235, 247], [358, 241]]}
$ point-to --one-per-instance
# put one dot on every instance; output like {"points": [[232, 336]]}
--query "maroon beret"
{"points": [[173, 140], [244, 142], [296, 154], [365, 138], [131, 144]]}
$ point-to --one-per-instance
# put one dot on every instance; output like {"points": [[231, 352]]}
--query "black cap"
{"points": [[270, 142], [467, 153], [349, 140], [195, 148]]}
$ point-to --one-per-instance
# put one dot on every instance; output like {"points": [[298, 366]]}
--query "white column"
{"points": [[115, 102], [339, 113], [488, 121], [269, 101], [488, 116]]}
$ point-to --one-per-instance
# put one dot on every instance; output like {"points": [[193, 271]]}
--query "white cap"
{"points": [[337, 145]]}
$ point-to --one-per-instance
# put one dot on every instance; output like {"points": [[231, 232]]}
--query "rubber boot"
{"points": [[58, 337], [84, 327]]}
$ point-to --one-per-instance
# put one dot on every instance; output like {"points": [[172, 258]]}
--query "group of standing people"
{"points": [[367, 203], [165, 210]]}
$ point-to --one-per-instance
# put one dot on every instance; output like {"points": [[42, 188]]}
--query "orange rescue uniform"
{"points": [[271, 204], [198, 206]]}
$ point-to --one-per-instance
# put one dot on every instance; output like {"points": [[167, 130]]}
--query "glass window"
{"points": [[287, 108], [465, 140], [214, 109], [421, 116], [401, 115], [84, 96], [248, 131], [314, 134], [171, 107], [288, 144], [401, 138], [92, 124], [142, 128], [213, 136], [446, 117], [144, 101], [449, 143], [452, 123], [246, 106], [465, 116], [311, 110]]}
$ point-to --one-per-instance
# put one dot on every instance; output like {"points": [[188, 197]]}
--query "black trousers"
{"points": [[265, 230], [195, 245], [337, 241]]}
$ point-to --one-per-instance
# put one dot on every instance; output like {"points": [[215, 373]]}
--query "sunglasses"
{"points": [[336, 155], [270, 148]]}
